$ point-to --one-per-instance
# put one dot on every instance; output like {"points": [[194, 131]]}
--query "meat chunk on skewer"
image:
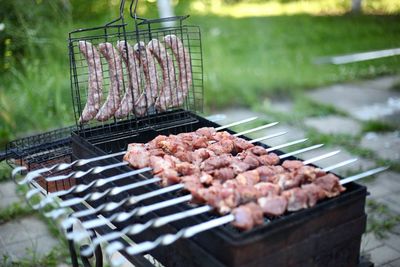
{"points": [[137, 156], [165, 168], [258, 150], [273, 205], [241, 144], [268, 172], [222, 147], [208, 132], [216, 162], [248, 178], [292, 164], [247, 216], [297, 199], [267, 189], [223, 174], [330, 184], [314, 193], [268, 159]]}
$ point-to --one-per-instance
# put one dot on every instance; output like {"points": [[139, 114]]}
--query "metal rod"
{"points": [[236, 123], [321, 157], [300, 151], [80, 174], [78, 188], [168, 239], [267, 137], [136, 228], [340, 164], [256, 129], [363, 175], [286, 144], [129, 201], [123, 216]]}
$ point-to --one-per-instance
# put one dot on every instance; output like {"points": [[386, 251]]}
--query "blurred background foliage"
{"points": [[253, 49]]}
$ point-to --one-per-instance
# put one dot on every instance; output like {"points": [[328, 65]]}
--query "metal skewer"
{"points": [[188, 232], [363, 175], [236, 123], [63, 166]]}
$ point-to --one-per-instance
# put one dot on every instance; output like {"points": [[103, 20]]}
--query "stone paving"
{"points": [[25, 238], [362, 101], [328, 125]]}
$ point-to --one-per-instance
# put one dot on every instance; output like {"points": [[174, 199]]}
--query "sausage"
{"points": [[184, 64], [116, 82], [169, 94], [147, 62], [95, 82], [132, 93]]}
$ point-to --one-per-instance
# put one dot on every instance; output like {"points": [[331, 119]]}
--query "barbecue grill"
{"points": [[80, 172]]}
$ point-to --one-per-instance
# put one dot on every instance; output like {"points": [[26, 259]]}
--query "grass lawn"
{"points": [[249, 58], [245, 60]]}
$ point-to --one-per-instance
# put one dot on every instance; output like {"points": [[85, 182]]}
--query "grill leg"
{"points": [[72, 252], [98, 257]]}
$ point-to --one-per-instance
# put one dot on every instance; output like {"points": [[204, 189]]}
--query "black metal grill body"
{"points": [[328, 234]]}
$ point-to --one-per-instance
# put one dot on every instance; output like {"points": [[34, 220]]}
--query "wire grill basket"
{"points": [[122, 73], [43, 150]]}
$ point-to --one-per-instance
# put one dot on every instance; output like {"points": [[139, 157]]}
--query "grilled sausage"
{"points": [[132, 93], [184, 64], [169, 94], [116, 82], [151, 89], [95, 82]]}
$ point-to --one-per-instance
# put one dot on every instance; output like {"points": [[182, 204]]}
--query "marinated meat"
{"points": [[273, 205], [137, 156], [330, 184], [297, 199]]}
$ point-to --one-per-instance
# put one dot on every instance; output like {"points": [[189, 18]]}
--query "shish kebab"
{"points": [[241, 142], [190, 231], [49, 199], [241, 165], [30, 176], [99, 169], [268, 198], [118, 190], [112, 206], [250, 193]]}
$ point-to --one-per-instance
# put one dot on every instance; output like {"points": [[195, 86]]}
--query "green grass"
{"points": [[377, 126], [245, 61], [250, 58], [381, 220], [15, 210]]}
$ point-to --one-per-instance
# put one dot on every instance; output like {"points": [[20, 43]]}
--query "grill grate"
{"points": [[43, 150]]}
